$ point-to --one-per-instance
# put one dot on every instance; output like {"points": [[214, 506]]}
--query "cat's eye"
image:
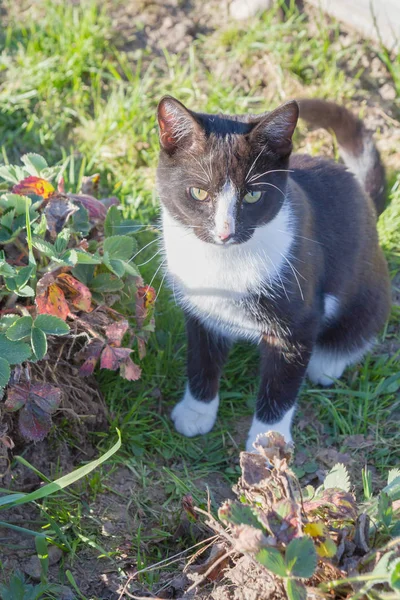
{"points": [[252, 197], [198, 194]]}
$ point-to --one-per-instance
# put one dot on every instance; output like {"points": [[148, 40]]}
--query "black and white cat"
{"points": [[281, 250]]}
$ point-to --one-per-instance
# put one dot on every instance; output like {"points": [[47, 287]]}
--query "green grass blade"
{"points": [[61, 483]]}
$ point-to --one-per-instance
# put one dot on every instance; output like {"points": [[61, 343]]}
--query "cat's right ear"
{"points": [[178, 127]]}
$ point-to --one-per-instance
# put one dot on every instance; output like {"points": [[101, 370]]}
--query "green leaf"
{"points": [[385, 509], [39, 229], [295, 590], [43, 492], [272, 559], [393, 489], [80, 221], [51, 325], [115, 265], [34, 163], [44, 247], [113, 219], [39, 342], [70, 258], [84, 258], [83, 273], [23, 276], [395, 575], [120, 247], [301, 557], [16, 352], [7, 321], [392, 475], [15, 201], [6, 270], [61, 243], [105, 282], [381, 570], [338, 477], [26, 291], [7, 172], [20, 329], [239, 514], [131, 269], [5, 372]]}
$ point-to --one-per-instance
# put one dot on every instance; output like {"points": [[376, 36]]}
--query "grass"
{"points": [[70, 87]]}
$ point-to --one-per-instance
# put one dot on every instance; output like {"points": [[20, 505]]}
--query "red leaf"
{"points": [[47, 397], [129, 370], [33, 185], [116, 332], [34, 423], [92, 354], [145, 298], [52, 301], [111, 357], [77, 293], [17, 396]]}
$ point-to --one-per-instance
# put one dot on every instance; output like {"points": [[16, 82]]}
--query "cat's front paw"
{"points": [[193, 417], [258, 427]]}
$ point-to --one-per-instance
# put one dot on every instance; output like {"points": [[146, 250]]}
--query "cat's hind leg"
{"points": [[207, 352], [328, 364]]}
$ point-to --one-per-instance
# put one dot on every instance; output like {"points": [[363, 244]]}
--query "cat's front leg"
{"points": [[282, 372], [206, 354]]}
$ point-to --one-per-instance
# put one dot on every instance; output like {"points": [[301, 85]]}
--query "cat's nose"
{"points": [[225, 236]]}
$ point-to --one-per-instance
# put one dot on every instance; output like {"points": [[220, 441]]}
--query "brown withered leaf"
{"points": [[96, 210], [51, 301], [91, 354], [188, 506], [111, 358], [116, 332], [76, 292], [58, 211], [129, 370], [250, 539], [254, 469], [90, 184], [333, 504], [273, 446], [217, 552]]}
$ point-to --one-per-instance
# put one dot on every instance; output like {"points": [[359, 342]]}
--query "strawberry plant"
{"points": [[66, 273], [279, 540]]}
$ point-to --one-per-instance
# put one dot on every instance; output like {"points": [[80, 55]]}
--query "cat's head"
{"points": [[223, 176]]}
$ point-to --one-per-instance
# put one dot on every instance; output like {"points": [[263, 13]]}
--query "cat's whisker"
{"points": [[254, 164], [150, 259], [302, 237], [268, 172], [161, 284], [144, 248], [274, 186], [294, 273], [277, 272], [155, 274]]}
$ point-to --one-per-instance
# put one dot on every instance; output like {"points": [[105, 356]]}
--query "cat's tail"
{"points": [[356, 145]]}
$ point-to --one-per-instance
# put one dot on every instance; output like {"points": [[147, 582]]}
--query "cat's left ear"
{"points": [[276, 129], [178, 126]]}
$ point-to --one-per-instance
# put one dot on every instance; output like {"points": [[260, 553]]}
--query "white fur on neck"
{"points": [[258, 427], [193, 417], [211, 280]]}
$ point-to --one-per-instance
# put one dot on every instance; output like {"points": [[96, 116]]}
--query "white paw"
{"points": [[244, 9], [258, 427], [192, 417]]}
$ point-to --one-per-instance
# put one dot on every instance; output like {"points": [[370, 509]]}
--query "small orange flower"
{"points": [[34, 185]]}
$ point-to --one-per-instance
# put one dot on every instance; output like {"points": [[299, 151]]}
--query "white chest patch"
{"points": [[211, 280]]}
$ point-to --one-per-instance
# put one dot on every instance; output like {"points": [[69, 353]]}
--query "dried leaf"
{"points": [[34, 185], [34, 423], [52, 301], [188, 506], [57, 212], [111, 358], [129, 370], [116, 332], [77, 293], [92, 354], [96, 210]]}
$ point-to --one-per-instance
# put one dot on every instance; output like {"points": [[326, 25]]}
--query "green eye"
{"points": [[252, 197], [198, 194]]}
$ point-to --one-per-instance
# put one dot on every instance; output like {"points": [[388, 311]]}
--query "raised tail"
{"points": [[356, 145]]}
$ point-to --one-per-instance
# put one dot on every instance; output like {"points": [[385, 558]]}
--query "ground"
{"points": [[83, 79]]}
